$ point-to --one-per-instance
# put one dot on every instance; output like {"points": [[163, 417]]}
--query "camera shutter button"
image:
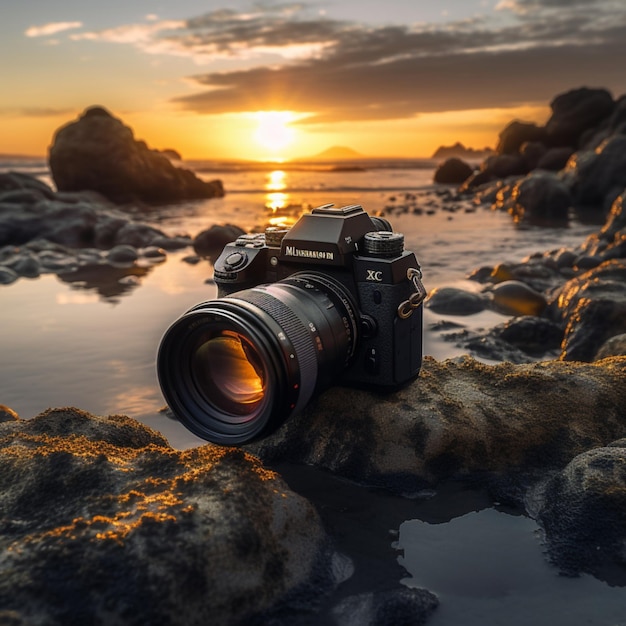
{"points": [[235, 260]]}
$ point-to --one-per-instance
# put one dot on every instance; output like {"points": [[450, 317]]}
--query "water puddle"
{"points": [[487, 567]]}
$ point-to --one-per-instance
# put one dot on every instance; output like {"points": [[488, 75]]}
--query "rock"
{"points": [[615, 346], [98, 152], [583, 512], [532, 151], [453, 171], [103, 522], [594, 176], [593, 307], [7, 414], [477, 179], [122, 253], [575, 111], [78, 222], [540, 199], [555, 159], [155, 253], [7, 275], [517, 133], [455, 301], [211, 242], [458, 420], [458, 150], [17, 181], [504, 165], [534, 335], [27, 265], [386, 608], [513, 297]]}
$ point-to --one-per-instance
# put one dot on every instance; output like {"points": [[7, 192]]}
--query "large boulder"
{"points": [[575, 111], [459, 419], [583, 512], [102, 522], [593, 307], [540, 199], [453, 171], [598, 176], [516, 133], [100, 153]]}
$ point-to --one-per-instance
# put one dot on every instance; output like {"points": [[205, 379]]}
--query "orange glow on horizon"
{"points": [[279, 136]]}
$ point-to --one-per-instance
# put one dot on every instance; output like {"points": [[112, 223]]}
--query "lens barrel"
{"points": [[235, 368]]}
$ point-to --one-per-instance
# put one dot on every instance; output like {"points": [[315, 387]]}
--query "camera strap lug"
{"points": [[406, 308]]}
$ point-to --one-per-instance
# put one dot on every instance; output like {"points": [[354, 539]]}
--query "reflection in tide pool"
{"points": [[487, 567]]}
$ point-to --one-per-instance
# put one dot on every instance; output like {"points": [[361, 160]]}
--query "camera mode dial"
{"points": [[383, 243]]}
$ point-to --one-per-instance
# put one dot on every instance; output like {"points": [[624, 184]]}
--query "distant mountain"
{"points": [[338, 152], [460, 151]]}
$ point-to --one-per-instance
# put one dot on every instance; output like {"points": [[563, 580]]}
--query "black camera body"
{"points": [[333, 300], [383, 279]]}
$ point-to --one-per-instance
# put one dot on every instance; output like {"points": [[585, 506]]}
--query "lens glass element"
{"points": [[229, 373]]}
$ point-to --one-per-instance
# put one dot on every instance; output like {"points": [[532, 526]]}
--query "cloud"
{"points": [[36, 112], [391, 72], [291, 57], [145, 36], [51, 29]]}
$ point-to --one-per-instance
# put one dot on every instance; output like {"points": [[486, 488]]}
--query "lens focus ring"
{"points": [[295, 331]]}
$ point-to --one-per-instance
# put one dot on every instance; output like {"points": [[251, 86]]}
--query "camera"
{"points": [[335, 299]]}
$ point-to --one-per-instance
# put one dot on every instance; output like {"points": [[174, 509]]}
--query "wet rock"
{"points": [[609, 242], [211, 242], [615, 346], [540, 199], [517, 133], [17, 181], [513, 297], [532, 151], [477, 180], [453, 171], [76, 223], [593, 307], [575, 111], [459, 419], [534, 335], [488, 346], [7, 275], [7, 414], [504, 165], [554, 159], [154, 253], [103, 522], [98, 152], [455, 301], [386, 608], [122, 253], [583, 512], [593, 176]]}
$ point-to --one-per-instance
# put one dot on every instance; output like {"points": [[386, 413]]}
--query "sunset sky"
{"points": [[271, 80]]}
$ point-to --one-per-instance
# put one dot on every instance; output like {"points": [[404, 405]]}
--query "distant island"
{"points": [[460, 151], [338, 152]]}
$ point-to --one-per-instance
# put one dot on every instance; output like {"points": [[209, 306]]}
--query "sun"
{"points": [[273, 132]]}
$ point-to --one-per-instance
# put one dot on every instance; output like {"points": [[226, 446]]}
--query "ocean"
{"points": [[75, 344]]}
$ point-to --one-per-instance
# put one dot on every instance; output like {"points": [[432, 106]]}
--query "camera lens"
{"points": [[233, 369], [228, 371]]}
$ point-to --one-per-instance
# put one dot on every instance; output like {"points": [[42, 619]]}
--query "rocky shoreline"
{"points": [[103, 522], [546, 437]]}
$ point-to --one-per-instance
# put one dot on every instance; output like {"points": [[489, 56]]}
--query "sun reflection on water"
{"points": [[281, 207]]}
